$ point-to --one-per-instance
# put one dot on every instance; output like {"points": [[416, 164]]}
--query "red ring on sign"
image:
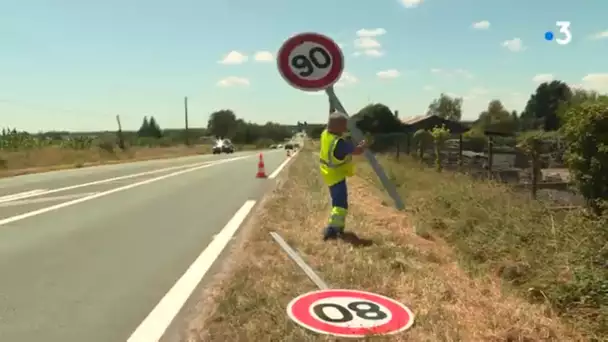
{"points": [[300, 310], [328, 44]]}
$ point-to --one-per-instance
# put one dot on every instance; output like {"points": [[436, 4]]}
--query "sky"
{"points": [[76, 64]]}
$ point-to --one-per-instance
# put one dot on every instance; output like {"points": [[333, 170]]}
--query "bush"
{"points": [[557, 258], [586, 133]]}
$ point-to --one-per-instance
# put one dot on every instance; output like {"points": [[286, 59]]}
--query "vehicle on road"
{"points": [[223, 146], [289, 146], [273, 146], [279, 146]]}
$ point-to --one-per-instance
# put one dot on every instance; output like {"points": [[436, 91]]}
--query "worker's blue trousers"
{"points": [[339, 205]]}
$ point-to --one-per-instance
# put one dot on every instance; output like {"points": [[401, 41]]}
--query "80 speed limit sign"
{"points": [[310, 61], [349, 313]]}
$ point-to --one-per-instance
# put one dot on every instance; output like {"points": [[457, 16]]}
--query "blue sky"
{"points": [[75, 64]]}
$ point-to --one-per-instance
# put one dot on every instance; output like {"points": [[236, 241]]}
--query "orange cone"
{"points": [[261, 169]]}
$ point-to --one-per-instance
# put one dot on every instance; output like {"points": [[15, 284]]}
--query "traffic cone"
{"points": [[261, 169]]}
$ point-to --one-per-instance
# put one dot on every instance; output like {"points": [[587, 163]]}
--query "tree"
{"points": [[154, 129], [531, 143], [496, 118], [144, 130], [579, 96], [377, 118], [542, 108], [585, 130], [440, 135], [446, 107], [222, 123]]}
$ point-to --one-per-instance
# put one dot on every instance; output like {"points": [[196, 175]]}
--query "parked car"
{"points": [[289, 146], [223, 146], [273, 146]]}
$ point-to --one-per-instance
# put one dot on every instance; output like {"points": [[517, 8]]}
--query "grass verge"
{"points": [[248, 300], [15, 163]]}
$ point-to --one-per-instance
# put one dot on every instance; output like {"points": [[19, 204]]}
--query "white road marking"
{"points": [[108, 192], [156, 323], [113, 179], [20, 195], [44, 199], [280, 168]]}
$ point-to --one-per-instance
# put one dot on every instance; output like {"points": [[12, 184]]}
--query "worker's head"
{"points": [[338, 123]]}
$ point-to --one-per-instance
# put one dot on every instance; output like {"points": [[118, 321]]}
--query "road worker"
{"points": [[336, 164]]}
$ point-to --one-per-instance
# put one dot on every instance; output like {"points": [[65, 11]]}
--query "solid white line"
{"points": [[156, 323], [280, 168], [44, 199], [105, 193], [20, 195]]}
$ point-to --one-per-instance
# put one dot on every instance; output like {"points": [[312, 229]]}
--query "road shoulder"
{"points": [[247, 301]]}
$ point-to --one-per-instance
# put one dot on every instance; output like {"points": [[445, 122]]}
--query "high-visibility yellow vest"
{"points": [[333, 170]]}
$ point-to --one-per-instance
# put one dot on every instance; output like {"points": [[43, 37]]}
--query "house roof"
{"points": [[428, 122]]}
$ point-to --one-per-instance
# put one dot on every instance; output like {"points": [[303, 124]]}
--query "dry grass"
{"points": [[248, 301], [13, 163]]}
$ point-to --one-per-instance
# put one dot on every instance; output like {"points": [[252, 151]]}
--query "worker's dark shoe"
{"points": [[331, 233]]}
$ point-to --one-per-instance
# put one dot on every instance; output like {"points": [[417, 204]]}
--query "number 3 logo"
{"points": [[362, 309], [564, 28]]}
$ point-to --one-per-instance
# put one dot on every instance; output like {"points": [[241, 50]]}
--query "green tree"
{"points": [[377, 119], [586, 132], [222, 123], [144, 129], [496, 118], [154, 129], [446, 107], [542, 108], [440, 136]]}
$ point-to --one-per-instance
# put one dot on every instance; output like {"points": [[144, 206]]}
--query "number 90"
{"points": [[307, 64]]}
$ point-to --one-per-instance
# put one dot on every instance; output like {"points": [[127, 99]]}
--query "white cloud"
{"points": [[234, 57], [263, 56], [428, 88], [464, 73], [367, 43], [371, 32], [391, 73], [481, 25], [600, 35], [541, 78], [368, 46], [597, 82], [346, 79], [436, 71], [373, 53], [232, 81], [410, 3], [514, 45]]}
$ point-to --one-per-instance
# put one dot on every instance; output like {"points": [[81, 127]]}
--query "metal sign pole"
{"points": [[357, 137]]}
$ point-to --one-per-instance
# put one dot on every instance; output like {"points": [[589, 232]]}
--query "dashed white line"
{"points": [[108, 192], [156, 323], [44, 199], [20, 195]]}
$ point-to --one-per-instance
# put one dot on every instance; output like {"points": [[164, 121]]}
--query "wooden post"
{"points": [[490, 156], [460, 151], [121, 139]]}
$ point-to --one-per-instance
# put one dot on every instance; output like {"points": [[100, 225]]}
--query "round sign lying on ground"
{"points": [[349, 313], [310, 61]]}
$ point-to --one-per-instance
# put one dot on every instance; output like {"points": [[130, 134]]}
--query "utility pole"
{"points": [[186, 132], [121, 139]]}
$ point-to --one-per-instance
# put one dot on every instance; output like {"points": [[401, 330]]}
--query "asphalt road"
{"points": [[86, 254]]}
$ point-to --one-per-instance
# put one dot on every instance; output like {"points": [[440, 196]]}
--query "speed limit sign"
{"points": [[349, 313], [310, 61]]}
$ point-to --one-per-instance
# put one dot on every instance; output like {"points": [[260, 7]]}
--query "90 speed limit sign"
{"points": [[310, 61], [349, 313]]}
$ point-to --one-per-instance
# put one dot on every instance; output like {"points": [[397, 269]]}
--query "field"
{"points": [[473, 260], [22, 153]]}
